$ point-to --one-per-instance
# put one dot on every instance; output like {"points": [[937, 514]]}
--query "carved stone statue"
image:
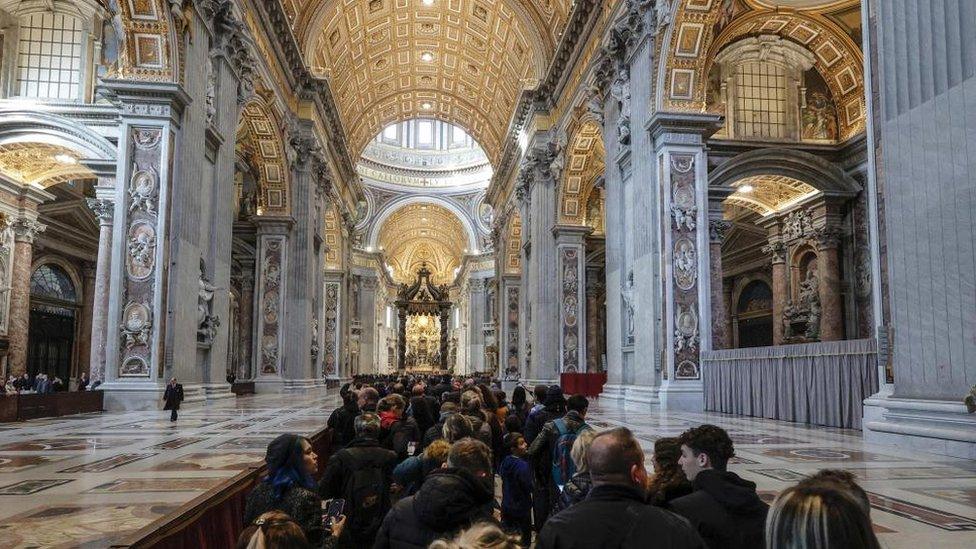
{"points": [[620, 90], [207, 322], [627, 293], [810, 300]]}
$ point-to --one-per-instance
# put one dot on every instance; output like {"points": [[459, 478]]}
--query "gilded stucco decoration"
{"points": [[421, 233], [142, 30], [40, 164], [767, 194], [462, 61], [584, 165], [703, 27], [262, 137], [513, 245], [333, 238]]}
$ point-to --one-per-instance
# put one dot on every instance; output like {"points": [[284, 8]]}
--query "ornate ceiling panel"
{"points": [[769, 193], [461, 61], [423, 233], [584, 163], [333, 238], [40, 164], [513, 245], [260, 137]]}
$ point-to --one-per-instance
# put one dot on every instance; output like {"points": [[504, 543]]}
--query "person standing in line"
{"points": [[724, 508], [173, 397], [516, 474]]}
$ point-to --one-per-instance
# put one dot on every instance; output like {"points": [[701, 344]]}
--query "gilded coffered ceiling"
{"points": [[461, 61], [585, 163], [767, 194], [423, 233], [40, 164]]}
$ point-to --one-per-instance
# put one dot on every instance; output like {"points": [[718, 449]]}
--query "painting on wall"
{"points": [[819, 115]]}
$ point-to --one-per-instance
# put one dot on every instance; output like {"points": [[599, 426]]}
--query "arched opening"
{"points": [[54, 304], [753, 317]]}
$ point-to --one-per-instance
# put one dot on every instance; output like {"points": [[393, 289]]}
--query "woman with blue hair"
{"points": [[290, 488]]}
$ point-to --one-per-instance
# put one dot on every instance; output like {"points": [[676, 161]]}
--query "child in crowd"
{"points": [[516, 476]]}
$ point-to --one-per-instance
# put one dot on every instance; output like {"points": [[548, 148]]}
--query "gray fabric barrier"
{"points": [[816, 383]]}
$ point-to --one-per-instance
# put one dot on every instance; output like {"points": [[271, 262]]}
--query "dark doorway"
{"points": [[754, 315], [51, 334]]}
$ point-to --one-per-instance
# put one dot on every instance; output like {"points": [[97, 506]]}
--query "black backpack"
{"points": [[367, 500]]}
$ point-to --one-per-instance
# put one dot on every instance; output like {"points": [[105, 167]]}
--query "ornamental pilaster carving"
{"points": [[26, 230], [103, 209]]}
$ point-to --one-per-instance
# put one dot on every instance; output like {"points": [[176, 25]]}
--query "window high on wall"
{"points": [[49, 57], [761, 109]]}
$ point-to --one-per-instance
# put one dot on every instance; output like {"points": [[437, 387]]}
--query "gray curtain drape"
{"points": [[818, 383]]}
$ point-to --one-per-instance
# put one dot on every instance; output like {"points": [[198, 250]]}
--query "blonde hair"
{"points": [[438, 450], [580, 446], [483, 535], [823, 516]]}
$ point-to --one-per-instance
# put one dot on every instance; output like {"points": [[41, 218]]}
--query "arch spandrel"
{"points": [[701, 27]]}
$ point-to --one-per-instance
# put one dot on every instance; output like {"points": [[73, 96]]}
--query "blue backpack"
{"points": [[563, 467]]}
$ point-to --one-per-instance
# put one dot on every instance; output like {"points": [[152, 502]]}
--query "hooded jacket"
{"points": [[449, 500], [725, 510], [617, 517]]}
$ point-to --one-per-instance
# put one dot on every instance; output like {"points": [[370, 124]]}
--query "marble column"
{"points": [[679, 141], [720, 319], [476, 319], [594, 325], [105, 211], [246, 368], [828, 267], [272, 261], [25, 230], [781, 288], [87, 319], [570, 269]]}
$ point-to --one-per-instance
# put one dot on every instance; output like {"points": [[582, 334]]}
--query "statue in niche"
{"points": [[803, 316], [314, 347], [211, 96], [207, 322], [810, 300], [620, 90], [115, 54], [627, 293]]}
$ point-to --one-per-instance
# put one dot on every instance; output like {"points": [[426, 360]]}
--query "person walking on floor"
{"points": [[173, 397]]}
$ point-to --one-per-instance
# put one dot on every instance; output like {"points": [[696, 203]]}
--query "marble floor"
{"points": [[87, 480], [90, 479], [917, 499]]}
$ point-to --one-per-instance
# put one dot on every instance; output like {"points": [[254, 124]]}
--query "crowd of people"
{"points": [[41, 383], [418, 463]]}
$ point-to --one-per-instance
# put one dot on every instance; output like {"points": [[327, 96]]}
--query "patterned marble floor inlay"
{"points": [[90, 480]]}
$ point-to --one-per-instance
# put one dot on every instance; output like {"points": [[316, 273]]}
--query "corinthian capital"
{"points": [[103, 208], [25, 230]]}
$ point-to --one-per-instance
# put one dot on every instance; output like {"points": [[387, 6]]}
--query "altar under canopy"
{"points": [[423, 311]]}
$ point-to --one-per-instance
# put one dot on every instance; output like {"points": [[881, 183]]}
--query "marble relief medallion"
{"points": [[142, 191], [134, 366], [685, 261]]}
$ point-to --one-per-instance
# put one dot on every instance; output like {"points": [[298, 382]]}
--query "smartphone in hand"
{"points": [[331, 510]]}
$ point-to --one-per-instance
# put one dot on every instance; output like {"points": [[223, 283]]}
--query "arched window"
{"points": [[761, 108], [49, 56], [52, 282]]}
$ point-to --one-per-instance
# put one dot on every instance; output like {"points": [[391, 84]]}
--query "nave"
{"points": [[95, 479]]}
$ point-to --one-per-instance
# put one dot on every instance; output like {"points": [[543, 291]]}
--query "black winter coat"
{"points": [[449, 500], [298, 503], [725, 510], [343, 424], [616, 517], [173, 396], [399, 436]]}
